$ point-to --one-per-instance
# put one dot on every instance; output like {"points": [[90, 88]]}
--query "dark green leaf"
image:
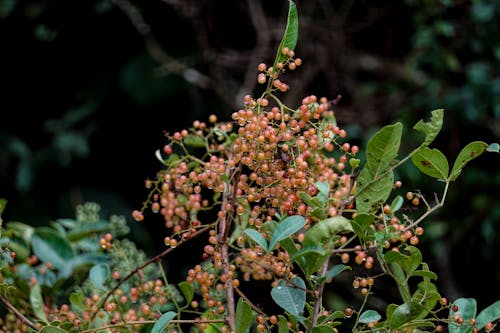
{"points": [[467, 154], [98, 275], [323, 329], [49, 246], [3, 203], [162, 322], [286, 228], [88, 229], [431, 162], [467, 308], [488, 315], [243, 316], [187, 290], [257, 237], [290, 297]]}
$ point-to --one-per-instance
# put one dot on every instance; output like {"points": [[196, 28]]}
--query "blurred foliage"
{"points": [[90, 86]]}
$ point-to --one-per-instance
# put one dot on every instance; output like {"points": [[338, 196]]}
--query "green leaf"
{"points": [[404, 314], [290, 297], [488, 315], [76, 299], [84, 259], [36, 301], [467, 154], [431, 162], [493, 148], [336, 270], [369, 316], [467, 308], [413, 259], [291, 33], [187, 290], [322, 329], [283, 324], [257, 237], [324, 230], [323, 187], [397, 203], [52, 329], [163, 321], [194, 141], [88, 229], [286, 228], [98, 275], [376, 179], [431, 128], [49, 246], [428, 274], [243, 316], [3, 203]]}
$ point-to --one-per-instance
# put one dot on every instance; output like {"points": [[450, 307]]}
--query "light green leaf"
{"points": [[369, 316], [98, 275], [467, 154], [243, 316], [431, 128], [286, 228], [36, 301], [290, 297], [431, 162], [291, 33], [163, 321], [488, 315], [257, 237]]}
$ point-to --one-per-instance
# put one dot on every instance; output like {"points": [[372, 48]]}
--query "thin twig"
{"points": [[148, 262], [18, 314], [253, 306]]}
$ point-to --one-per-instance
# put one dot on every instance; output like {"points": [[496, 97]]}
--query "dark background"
{"points": [[88, 87]]}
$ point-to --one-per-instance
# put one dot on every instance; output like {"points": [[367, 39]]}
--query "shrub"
{"points": [[282, 197]]}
